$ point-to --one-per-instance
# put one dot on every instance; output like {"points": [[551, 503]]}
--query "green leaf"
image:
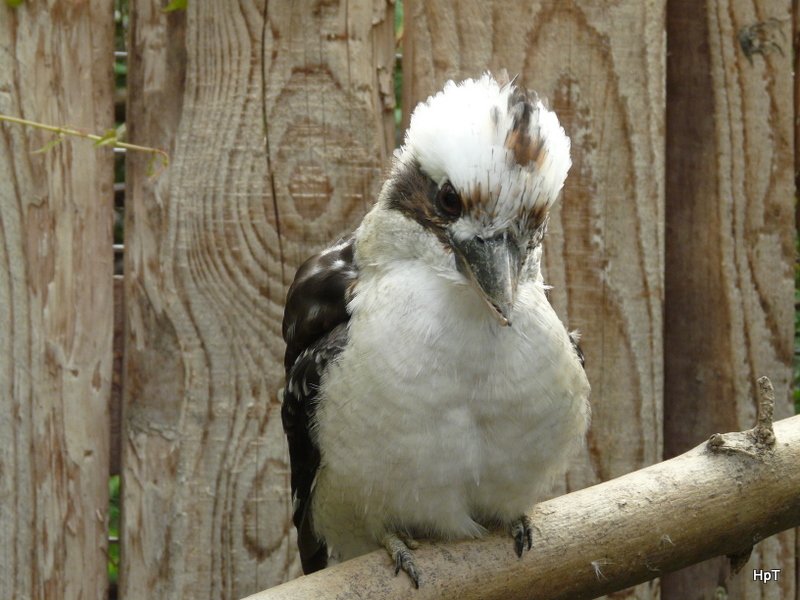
{"points": [[113, 527], [157, 164], [49, 145], [398, 19], [175, 5], [113, 506], [14, 3], [109, 138], [113, 562]]}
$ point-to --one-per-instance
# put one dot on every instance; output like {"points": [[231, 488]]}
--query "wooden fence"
{"points": [[672, 250]]}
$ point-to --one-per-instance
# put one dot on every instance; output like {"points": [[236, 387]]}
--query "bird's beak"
{"points": [[492, 265]]}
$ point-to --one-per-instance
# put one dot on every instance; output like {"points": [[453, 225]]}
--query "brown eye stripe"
{"points": [[411, 194], [416, 195]]}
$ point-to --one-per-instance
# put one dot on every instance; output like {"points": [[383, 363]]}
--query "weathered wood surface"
{"points": [[278, 134], [55, 302], [730, 244], [601, 66]]}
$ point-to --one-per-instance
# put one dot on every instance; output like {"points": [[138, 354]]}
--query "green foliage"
{"points": [[113, 528], [109, 138], [175, 5], [399, 16], [120, 74], [398, 96], [398, 19], [121, 13], [50, 145], [14, 3]]}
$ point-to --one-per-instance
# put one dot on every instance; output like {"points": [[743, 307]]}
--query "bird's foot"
{"points": [[522, 532], [399, 548]]}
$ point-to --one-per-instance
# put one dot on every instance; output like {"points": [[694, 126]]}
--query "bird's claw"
{"points": [[403, 558], [522, 532]]}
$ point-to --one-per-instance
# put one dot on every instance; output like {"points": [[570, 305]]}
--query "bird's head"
{"points": [[481, 165]]}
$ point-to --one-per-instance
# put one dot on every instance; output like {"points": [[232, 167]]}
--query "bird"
{"points": [[432, 393]]}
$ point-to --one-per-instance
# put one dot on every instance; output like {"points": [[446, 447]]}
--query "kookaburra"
{"points": [[431, 390]]}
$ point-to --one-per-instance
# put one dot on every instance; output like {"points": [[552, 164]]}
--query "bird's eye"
{"points": [[448, 202]]}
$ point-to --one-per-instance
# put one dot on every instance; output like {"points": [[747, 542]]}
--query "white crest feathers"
{"points": [[490, 139]]}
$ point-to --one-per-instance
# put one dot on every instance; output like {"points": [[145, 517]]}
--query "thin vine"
{"points": [[110, 138]]}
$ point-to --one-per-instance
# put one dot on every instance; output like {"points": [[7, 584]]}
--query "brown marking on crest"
{"points": [[471, 200], [477, 200], [538, 214], [524, 148], [535, 217]]}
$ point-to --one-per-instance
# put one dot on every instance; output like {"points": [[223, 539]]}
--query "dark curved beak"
{"points": [[492, 265]]}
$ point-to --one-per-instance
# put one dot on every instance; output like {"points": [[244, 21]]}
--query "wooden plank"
{"points": [[55, 302], [278, 134], [730, 243], [602, 68]]}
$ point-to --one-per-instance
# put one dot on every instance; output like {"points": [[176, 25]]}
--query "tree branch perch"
{"points": [[719, 498]]}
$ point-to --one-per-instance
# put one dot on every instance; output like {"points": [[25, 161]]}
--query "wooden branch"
{"points": [[717, 499]]}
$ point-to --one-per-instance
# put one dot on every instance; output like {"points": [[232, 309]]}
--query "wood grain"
{"points": [[601, 67], [730, 242], [55, 301], [278, 133]]}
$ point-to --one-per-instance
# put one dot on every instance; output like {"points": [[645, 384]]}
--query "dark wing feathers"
{"points": [[574, 337], [315, 331], [317, 299]]}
